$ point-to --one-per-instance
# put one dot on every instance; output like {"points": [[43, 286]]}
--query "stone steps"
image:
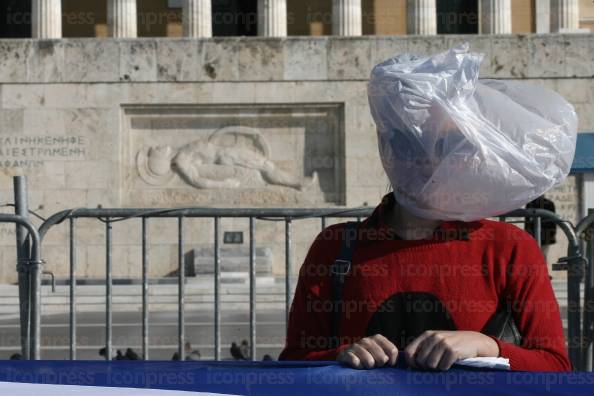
{"points": [[270, 294]]}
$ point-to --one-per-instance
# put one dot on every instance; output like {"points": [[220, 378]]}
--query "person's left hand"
{"points": [[439, 349]]}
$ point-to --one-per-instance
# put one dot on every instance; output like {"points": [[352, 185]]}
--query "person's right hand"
{"points": [[369, 352]]}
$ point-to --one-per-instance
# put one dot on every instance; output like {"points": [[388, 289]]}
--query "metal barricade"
{"points": [[573, 263], [585, 229], [30, 267], [108, 216]]}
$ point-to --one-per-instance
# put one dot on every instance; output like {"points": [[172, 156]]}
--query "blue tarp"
{"points": [[583, 162], [293, 378]]}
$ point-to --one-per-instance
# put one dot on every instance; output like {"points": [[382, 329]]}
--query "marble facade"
{"points": [[106, 122]]}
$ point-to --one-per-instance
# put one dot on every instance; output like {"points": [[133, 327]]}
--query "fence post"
{"points": [[575, 272], [588, 324], [23, 255]]}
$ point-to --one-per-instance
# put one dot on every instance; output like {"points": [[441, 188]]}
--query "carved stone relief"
{"points": [[249, 155], [208, 164]]}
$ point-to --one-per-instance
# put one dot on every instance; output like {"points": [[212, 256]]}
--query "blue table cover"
{"points": [[293, 378]]}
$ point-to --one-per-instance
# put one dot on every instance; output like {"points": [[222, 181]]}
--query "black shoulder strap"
{"points": [[503, 326], [502, 323], [338, 271]]}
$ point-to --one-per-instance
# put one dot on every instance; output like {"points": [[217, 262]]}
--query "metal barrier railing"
{"points": [[585, 228], [29, 269], [573, 263], [108, 216]]}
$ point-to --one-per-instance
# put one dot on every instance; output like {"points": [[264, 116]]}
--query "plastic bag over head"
{"points": [[458, 148]]}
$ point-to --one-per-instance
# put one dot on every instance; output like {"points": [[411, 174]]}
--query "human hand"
{"points": [[369, 352], [438, 350]]}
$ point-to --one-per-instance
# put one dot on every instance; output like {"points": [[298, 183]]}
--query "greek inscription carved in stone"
{"points": [[33, 151]]}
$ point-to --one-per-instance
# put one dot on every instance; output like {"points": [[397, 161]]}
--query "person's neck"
{"points": [[408, 226]]}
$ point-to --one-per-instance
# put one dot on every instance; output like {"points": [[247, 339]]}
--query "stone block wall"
{"points": [[112, 123]]}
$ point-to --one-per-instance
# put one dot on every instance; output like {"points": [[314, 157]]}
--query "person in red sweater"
{"points": [[425, 289]]}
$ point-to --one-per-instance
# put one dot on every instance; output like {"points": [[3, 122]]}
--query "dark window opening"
{"points": [[84, 18], [157, 19], [309, 18], [235, 17], [15, 19], [457, 17]]}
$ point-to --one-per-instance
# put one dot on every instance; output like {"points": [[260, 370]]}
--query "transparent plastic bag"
{"points": [[458, 148]]}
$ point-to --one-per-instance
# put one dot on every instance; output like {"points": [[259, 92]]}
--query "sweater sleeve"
{"points": [[535, 311], [309, 320]]}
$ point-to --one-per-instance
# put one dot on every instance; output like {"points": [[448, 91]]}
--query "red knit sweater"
{"points": [[466, 267]]}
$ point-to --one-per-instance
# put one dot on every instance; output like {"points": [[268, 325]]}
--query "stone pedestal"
{"points": [[565, 16], [422, 17], [46, 19], [197, 18], [347, 18], [122, 18], [496, 16], [272, 18], [234, 259]]}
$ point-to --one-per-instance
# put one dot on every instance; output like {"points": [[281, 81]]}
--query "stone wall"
{"points": [[111, 123]]}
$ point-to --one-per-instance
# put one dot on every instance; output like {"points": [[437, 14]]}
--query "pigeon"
{"points": [[131, 355], [236, 352], [191, 354], [118, 356], [245, 350], [103, 352]]}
